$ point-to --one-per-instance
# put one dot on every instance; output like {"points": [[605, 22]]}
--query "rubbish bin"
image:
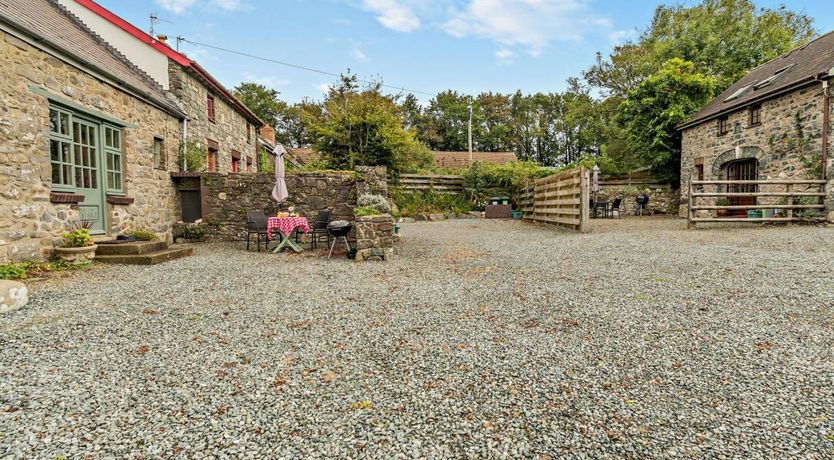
{"points": [[496, 200]]}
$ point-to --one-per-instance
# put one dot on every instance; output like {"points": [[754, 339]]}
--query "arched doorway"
{"points": [[742, 169]]}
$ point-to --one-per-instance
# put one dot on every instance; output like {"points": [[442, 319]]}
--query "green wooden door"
{"points": [[87, 171]]}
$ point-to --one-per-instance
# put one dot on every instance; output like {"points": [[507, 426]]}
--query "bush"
{"points": [[429, 202], [366, 211], [12, 272], [377, 203], [78, 238], [194, 232], [143, 235], [26, 269], [480, 178], [193, 155]]}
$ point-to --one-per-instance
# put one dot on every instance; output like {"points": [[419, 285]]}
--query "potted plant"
{"points": [[723, 201], [78, 247]]}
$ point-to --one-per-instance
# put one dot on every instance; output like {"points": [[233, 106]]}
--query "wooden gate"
{"points": [[562, 199]]}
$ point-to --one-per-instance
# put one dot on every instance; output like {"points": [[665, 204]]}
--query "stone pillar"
{"points": [[371, 180], [374, 238]]}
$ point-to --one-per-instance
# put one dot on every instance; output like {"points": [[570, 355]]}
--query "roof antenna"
{"points": [[180, 39], [154, 21]]}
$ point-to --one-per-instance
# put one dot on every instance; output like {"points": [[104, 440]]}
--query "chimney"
{"points": [[267, 133], [162, 39]]}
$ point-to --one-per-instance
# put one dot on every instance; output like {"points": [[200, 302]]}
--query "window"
{"points": [[235, 161], [699, 172], [210, 107], [211, 161], [248, 133], [159, 153], [76, 151], [755, 115], [113, 156], [723, 125]]}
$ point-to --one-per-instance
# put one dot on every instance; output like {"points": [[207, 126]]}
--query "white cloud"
{"points": [[182, 6], [504, 54], [323, 87], [357, 54], [528, 24], [394, 14], [618, 37], [270, 81]]}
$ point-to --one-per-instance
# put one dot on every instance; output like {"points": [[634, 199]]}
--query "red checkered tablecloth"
{"points": [[287, 224]]}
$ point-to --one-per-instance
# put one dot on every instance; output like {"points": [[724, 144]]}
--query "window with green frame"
{"points": [[69, 168]]}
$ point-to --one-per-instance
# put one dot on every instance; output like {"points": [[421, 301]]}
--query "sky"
{"points": [[425, 46]]}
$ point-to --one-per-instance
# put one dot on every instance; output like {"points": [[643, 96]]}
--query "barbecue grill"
{"points": [[642, 202], [339, 229]]}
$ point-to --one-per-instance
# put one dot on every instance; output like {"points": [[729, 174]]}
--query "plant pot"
{"points": [[721, 213], [77, 256], [518, 215], [754, 214]]}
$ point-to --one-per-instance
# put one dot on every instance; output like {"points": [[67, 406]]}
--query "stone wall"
{"points": [[374, 238], [371, 180], [227, 197], [228, 128], [29, 223], [770, 142], [663, 199]]}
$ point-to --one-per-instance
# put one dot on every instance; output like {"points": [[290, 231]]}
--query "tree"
{"points": [[365, 128], [262, 101], [653, 110]]}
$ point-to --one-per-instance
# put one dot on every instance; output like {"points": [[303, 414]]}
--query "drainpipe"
{"points": [[826, 125], [184, 144]]}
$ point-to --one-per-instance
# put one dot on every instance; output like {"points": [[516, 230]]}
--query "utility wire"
{"points": [[301, 67]]}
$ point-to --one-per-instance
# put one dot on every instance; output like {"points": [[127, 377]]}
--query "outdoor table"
{"points": [[285, 226], [603, 204]]}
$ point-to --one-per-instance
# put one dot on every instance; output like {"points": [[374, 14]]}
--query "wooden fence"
{"points": [[777, 204], [562, 199], [436, 183]]}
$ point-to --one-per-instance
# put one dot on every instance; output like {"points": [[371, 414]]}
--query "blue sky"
{"points": [[424, 45]]}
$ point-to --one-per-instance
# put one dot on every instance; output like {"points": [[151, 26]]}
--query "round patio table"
{"points": [[285, 226]]}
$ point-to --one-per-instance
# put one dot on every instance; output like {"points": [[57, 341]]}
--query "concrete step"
{"points": [[152, 258], [136, 247]]}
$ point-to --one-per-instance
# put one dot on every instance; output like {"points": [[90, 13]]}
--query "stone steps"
{"points": [[137, 247], [148, 258]]}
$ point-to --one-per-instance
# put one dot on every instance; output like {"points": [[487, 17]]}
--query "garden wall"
{"points": [[663, 199], [225, 198]]}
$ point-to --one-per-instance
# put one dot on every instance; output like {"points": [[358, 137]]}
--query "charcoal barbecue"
{"points": [[642, 202], [339, 229]]}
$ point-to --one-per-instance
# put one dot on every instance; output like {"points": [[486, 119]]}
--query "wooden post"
{"points": [[789, 212], [584, 197], [690, 212]]}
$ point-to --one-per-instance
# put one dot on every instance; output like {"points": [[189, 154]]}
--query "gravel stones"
{"points": [[482, 339]]}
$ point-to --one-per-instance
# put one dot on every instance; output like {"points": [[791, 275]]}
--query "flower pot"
{"points": [[77, 256], [517, 215]]}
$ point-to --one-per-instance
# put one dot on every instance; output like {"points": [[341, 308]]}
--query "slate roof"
{"points": [[790, 71], [48, 22]]}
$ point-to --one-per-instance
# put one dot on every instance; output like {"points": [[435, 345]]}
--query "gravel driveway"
{"points": [[482, 340]]}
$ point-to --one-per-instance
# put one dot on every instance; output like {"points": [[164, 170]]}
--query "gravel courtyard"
{"points": [[482, 340]]}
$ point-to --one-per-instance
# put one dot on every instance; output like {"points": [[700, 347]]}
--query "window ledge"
{"points": [[119, 200], [65, 198]]}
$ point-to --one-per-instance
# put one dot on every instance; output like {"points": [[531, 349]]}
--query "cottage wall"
{"points": [[29, 222], [228, 129], [772, 143]]}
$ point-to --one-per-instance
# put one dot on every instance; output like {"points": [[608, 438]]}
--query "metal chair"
{"points": [[318, 229], [256, 225], [615, 206]]}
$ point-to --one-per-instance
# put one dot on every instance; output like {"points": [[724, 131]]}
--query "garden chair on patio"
{"points": [[615, 207], [256, 225], [319, 229]]}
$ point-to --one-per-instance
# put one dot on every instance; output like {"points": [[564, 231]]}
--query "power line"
{"points": [[301, 67]]}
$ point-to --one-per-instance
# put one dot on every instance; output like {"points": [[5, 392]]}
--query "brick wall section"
{"points": [[29, 223], [778, 118], [227, 197], [228, 128], [374, 238]]}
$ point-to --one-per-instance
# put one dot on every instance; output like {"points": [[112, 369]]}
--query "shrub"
{"points": [[366, 211], [26, 269], [142, 234], [12, 272], [193, 155], [78, 238], [428, 202], [480, 178], [194, 232], [377, 203]]}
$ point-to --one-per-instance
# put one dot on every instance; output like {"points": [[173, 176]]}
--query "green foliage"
{"points": [[376, 203], [481, 178], [262, 101], [798, 142], [194, 232], [657, 106], [193, 156], [365, 128], [25, 270], [78, 238], [143, 234], [429, 202], [366, 211]]}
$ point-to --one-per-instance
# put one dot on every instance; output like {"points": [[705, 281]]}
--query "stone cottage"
{"points": [[774, 123], [84, 134], [218, 123]]}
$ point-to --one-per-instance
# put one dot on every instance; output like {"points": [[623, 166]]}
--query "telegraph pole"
{"points": [[470, 132]]}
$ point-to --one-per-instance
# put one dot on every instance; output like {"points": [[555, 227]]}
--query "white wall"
{"points": [[142, 55]]}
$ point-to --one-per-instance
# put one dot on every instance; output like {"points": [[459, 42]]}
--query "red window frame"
{"points": [[210, 107]]}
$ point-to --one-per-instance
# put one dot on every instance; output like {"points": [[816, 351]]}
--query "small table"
{"points": [[603, 205], [285, 226]]}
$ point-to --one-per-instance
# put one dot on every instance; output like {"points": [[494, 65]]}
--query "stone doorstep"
{"points": [[152, 258], [138, 247]]}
